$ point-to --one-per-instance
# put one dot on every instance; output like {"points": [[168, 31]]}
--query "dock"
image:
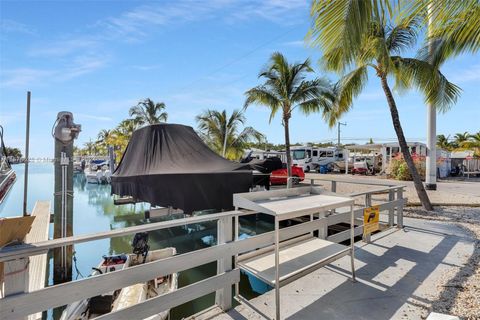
{"points": [[38, 264], [397, 278], [30, 273]]}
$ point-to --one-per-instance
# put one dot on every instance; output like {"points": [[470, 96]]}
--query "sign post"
{"points": [[371, 218]]}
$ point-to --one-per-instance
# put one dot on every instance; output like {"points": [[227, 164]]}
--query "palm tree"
{"points": [[473, 142], [104, 135], [443, 143], [120, 136], [221, 133], [286, 89], [379, 49], [461, 138], [90, 147], [453, 24], [453, 27], [148, 112], [126, 128]]}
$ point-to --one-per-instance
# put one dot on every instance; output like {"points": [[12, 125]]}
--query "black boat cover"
{"points": [[169, 165]]}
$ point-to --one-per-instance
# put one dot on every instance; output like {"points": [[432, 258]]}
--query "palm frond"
{"points": [[263, 96], [343, 24], [403, 35], [437, 90], [347, 88]]}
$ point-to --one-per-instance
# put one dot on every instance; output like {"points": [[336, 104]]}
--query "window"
{"points": [[330, 154], [298, 154], [340, 156], [323, 154], [315, 153]]}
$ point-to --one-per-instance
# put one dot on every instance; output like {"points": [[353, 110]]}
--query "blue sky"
{"points": [[99, 58]]}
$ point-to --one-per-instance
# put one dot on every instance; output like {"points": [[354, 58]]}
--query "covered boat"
{"points": [[169, 165]]}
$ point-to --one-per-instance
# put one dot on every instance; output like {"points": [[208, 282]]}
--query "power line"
{"points": [[232, 62]]}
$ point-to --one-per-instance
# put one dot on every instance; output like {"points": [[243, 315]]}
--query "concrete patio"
{"points": [[401, 275]]}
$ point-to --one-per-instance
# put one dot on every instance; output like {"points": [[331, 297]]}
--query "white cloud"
{"points": [[371, 96], [23, 77], [64, 47], [146, 67], [466, 75], [11, 26], [297, 43], [81, 116]]}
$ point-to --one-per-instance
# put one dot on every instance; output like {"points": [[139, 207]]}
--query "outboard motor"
{"points": [[140, 245]]}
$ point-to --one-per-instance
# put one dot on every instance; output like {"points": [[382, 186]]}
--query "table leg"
{"points": [[352, 242], [277, 271]]}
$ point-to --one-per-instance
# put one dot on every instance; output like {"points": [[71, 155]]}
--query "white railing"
{"points": [[23, 304]]}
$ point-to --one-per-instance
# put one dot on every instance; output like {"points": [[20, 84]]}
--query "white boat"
{"points": [[94, 176], [128, 296], [95, 306]]}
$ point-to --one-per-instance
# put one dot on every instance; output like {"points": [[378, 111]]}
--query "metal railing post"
{"points": [[391, 211], [368, 200], [368, 203], [334, 186], [223, 297], [400, 208], [323, 230]]}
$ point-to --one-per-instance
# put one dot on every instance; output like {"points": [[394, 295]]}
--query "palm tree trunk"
{"points": [[287, 146], [422, 194]]}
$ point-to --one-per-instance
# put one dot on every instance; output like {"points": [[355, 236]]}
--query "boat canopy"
{"points": [[169, 165]]}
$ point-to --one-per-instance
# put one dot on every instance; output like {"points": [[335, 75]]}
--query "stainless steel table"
{"points": [[285, 263]]}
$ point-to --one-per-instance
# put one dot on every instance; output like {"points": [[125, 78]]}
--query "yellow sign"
{"points": [[371, 216]]}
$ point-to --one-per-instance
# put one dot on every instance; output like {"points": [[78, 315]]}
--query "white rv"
{"points": [[311, 158]]}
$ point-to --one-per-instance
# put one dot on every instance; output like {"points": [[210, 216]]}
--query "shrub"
{"points": [[398, 168]]}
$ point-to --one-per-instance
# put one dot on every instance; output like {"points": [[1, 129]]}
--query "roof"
{"points": [[378, 146]]}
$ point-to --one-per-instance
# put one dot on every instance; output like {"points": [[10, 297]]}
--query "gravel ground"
{"points": [[449, 191], [459, 292]]}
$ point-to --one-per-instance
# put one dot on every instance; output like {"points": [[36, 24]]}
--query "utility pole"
{"points": [[65, 131], [431, 159], [338, 133], [225, 140], [27, 147]]}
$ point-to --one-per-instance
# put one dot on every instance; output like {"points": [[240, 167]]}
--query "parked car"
{"points": [[279, 176]]}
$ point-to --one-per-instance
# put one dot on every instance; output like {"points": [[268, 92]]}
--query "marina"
{"points": [[233, 160]]}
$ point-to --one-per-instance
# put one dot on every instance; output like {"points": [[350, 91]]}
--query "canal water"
{"points": [[94, 211]]}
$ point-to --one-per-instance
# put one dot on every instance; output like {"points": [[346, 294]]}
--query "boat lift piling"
{"points": [[27, 147], [64, 132]]}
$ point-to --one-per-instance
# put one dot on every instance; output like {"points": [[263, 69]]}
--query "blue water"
{"points": [[94, 211]]}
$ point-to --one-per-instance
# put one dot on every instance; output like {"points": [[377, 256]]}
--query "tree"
{"points": [[286, 89], [453, 24], [443, 143], [120, 136], [13, 152], [461, 138], [467, 141], [379, 48], [453, 27], [148, 112], [90, 148], [221, 133]]}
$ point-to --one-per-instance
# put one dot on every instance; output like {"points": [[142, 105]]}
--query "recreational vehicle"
{"points": [[311, 158]]}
